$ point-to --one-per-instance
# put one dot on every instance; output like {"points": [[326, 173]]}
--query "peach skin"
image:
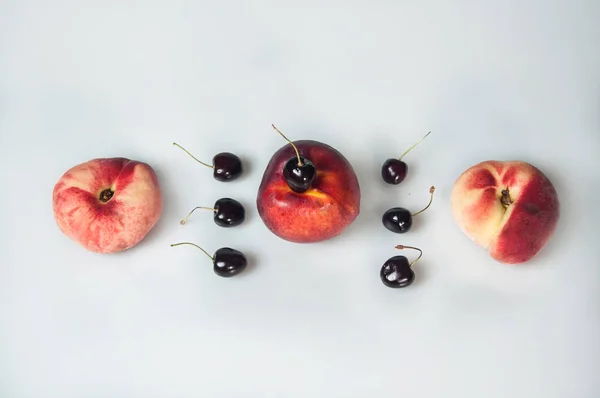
{"points": [[107, 205], [508, 207], [323, 211]]}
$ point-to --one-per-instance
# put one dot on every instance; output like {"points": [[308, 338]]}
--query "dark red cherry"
{"points": [[298, 172], [227, 262], [397, 272], [227, 213], [226, 166], [399, 219], [393, 170]]}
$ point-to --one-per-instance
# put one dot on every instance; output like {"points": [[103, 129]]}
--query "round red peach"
{"points": [[322, 212]]}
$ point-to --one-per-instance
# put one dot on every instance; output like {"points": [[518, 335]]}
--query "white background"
{"points": [[491, 80]]}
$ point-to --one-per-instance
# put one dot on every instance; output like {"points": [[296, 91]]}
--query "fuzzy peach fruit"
{"points": [[508, 207], [322, 212], [107, 205]]}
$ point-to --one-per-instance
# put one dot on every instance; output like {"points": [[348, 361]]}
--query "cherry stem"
{"points": [[414, 145], [431, 190], [291, 143], [183, 221], [193, 244], [400, 247], [193, 157]]}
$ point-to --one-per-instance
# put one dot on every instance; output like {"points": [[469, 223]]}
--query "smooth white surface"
{"points": [[509, 80]]}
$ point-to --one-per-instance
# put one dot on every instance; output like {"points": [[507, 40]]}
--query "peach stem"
{"points": [[431, 190], [291, 143], [505, 199], [183, 221], [193, 157], [106, 195], [193, 244], [414, 145], [400, 247]]}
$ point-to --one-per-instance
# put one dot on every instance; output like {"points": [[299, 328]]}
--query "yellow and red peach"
{"points": [[322, 212], [108, 204], [508, 207]]}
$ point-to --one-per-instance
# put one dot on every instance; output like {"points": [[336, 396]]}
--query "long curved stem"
{"points": [[400, 247], [193, 244], [431, 190], [414, 145], [184, 220], [193, 157], [291, 143]]}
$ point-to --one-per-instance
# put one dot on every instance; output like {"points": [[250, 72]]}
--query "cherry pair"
{"points": [[227, 262], [397, 271], [393, 171], [227, 213], [226, 167]]}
